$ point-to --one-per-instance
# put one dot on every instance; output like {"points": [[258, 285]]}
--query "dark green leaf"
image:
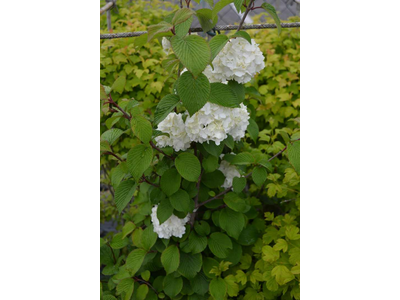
{"points": [[206, 19], [181, 201], [190, 264], [238, 184], [259, 175], [139, 159], [242, 34], [243, 158], [193, 92], [172, 285], [134, 260], [164, 210], [217, 43], [182, 15], [253, 130], [141, 128], [223, 95], [271, 10], [214, 149], [210, 164], [294, 155], [119, 84], [188, 166], [218, 288], [158, 28], [170, 259], [149, 237], [219, 244], [170, 181], [124, 193], [164, 107], [232, 222]]}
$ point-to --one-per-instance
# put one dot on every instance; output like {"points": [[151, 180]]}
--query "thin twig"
{"points": [[145, 282], [113, 154], [112, 102], [248, 8], [159, 150], [199, 29]]}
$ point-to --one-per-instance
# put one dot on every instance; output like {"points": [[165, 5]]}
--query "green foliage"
{"points": [[242, 243]]}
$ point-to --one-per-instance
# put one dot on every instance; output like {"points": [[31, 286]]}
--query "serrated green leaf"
{"points": [[134, 260], [170, 182], [238, 184], [172, 285], [181, 201], [190, 264], [164, 107], [119, 84], [223, 95], [259, 175], [188, 166], [206, 19], [126, 286], [219, 244], [281, 244], [194, 92], [282, 274], [253, 130], [141, 128], [232, 222], [202, 228], [193, 52], [111, 135], [218, 288], [128, 228], [194, 244], [243, 158], [124, 193], [182, 15], [213, 148], [170, 259], [242, 34], [149, 237], [269, 254], [119, 241], [182, 29], [164, 210], [139, 159], [294, 155], [141, 292], [238, 88], [152, 30], [217, 43], [238, 5], [235, 202], [272, 12], [210, 164], [103, 94]]}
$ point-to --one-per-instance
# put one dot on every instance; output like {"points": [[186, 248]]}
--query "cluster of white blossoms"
{"points": [[229, 171], [171, 227], [212, 122], [166, 44], [238, 60]]}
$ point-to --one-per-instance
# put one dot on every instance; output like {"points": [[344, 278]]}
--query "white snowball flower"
{"points": [[229, 171], [214, 122], [166, 44], [171, 227], [238, 60], [175, 127]]}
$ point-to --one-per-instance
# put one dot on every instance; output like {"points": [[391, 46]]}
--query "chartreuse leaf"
{"points": [[124, 193], [164, 107], [141, 128], [190, 264], [210, 164], [182, 15], [271, 10], [219, 244], [243, 158], [139, 159], [149, 237], [206, 19], [111, 135], [218, 288], [142, 292], [164, 210], [134, 260], [294, 155], [238, 184], [158, 28], [118, 241], [194, 92], [253, 130], [269, 254], [193, 52], [119, 84], [128, 228], [188, 166], [281, 244], [282, 274], [232, 222], [170, 182], [125, 286], [223, 95], [259, 175], [172, 285], [242, 34], [217, 43], [231, 285], [181, 201], [170, 259]]}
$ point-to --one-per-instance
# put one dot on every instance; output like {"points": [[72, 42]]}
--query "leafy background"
{"points": [[260, 259]]}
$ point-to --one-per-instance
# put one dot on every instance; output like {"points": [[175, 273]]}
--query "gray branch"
{"points": [[107, 7], [199, 29]]}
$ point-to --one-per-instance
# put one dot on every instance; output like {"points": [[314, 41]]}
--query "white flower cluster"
{"points": [[171, 227], [211, 123], [238, 60], [166, 44], [229, 172]]}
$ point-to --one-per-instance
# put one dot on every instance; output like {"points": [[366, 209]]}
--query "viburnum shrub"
{"points": [[210, 208]]}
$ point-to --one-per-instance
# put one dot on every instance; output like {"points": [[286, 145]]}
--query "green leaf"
{"points": [[170, 259], [170, 182], [111, 135], [134, 260], [164, 107], [214, 149], [248, 236], [199, 284], [139, 159], [281, 244], [164, 210], [128, 228], [118, 241], [182, 15], [218, 288], [219, 244], [292, 232], [125, 286], [282, 274], [188, 166], [172, 285], [119, 84], [194, 244], [149, 237], [124, 193], [103, 94], [232, 222], [193, 52], [242, 34], [206, 19], [266, 164], [235, 202], [238, 88], [213, 180], [220, 5], [158, 28], [202, 228], [217, 43], [294, 155], [210, 164], [190, 264], [182, 29], [232, 286], [181, 201], [223, 95], [238, 5], [253, 130], [259, 175], [243, 158], [141, 128], [269, 254], [118, 173], [193, 92], [238, 184], [271, 10], [170, 63], [141, 292]]}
